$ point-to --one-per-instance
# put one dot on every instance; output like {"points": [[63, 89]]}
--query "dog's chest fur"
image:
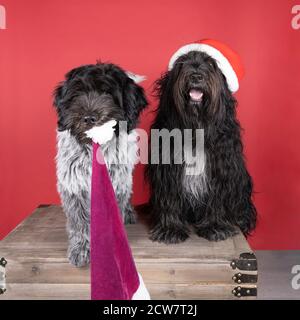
{"points": [[194, 182], [74, 163]]}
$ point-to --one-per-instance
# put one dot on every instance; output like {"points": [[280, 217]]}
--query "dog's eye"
{"points": [[211, 64]]}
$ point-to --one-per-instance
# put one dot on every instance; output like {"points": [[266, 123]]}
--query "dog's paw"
{"points": [[79, 255], [169, 235], [130, 217], [216, 233]]}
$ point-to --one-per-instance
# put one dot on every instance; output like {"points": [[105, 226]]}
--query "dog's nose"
{"points": [[196, 78], [90, 119]]}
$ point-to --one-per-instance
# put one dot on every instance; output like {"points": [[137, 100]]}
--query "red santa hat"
{"points": [[227, 60]]}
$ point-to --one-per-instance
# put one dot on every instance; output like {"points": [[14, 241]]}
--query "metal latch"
{"points": [[244, 292], [3, 263], [247, 261], [244, 278]]}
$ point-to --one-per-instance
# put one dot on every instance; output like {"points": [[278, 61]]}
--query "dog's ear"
{"points": [[58, 95], [134, 101], [61, 94]]}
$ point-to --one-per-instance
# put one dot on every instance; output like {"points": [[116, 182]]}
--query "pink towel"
{"points": [[113, 272]]}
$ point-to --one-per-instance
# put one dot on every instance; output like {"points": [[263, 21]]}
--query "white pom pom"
{"points": [[102, 134], [136, 77]]}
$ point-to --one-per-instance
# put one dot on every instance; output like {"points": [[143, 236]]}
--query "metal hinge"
{"points": [[2, 290], [3, 263], [244, 292], [247, 261], [244, 278]]}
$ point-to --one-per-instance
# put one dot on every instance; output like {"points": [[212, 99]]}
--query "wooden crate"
{"points": [[37, 267]]}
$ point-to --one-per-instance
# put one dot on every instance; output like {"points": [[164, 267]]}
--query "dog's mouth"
{"points": [[196, 95]]}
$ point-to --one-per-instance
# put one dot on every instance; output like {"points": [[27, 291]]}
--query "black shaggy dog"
{"points": [[90, 96], [194, 94]]}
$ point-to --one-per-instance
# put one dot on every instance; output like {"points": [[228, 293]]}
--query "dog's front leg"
{"points": [[214, 222], [169, 228], [77, 208], [129, 213], [121, 177], [228, 204], [167, 204], [124, 196]]}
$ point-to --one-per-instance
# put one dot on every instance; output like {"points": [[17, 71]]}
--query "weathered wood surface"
{"points": [[38, 268]]}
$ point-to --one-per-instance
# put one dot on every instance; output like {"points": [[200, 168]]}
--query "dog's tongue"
{"points": [[196, 95]]}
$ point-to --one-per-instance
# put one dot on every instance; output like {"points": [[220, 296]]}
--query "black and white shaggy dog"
{"points": [[90, 96], [195, 94]]}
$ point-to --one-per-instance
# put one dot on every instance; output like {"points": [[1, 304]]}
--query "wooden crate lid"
{"points": [[36, 252]]}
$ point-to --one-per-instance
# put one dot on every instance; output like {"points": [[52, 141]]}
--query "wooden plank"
{"points": [[82, 291], [45, 291], [53, 270], [33, 271]]}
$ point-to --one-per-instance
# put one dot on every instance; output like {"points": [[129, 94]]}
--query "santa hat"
{"points": [[228, 61], [113, 272]]}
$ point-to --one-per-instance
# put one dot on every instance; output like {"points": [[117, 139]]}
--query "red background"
{"points": [[44, 39]]}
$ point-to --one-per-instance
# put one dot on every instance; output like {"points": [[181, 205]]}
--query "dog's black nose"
{"points": [[196, 78], [90, 119]]}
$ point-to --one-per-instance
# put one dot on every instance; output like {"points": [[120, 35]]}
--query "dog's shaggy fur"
{"points": [[90, 96], [217, 201]]}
